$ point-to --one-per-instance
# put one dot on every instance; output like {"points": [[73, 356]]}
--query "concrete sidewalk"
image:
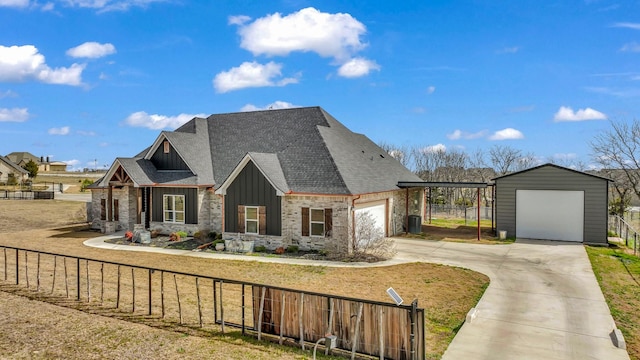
{"points": [[543, 301], [99, 242]]}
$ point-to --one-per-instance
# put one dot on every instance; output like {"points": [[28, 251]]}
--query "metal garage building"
{"points": [[552, 202]]}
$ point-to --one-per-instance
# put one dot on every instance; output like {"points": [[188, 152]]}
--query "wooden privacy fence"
{"points": [[362, 327]]}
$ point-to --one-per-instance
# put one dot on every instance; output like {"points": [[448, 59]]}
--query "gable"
{"points": [[167, 158]]}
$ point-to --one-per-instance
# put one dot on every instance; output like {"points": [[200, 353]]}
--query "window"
{"points": [[173, 208], [317, 222], [251, 219]]}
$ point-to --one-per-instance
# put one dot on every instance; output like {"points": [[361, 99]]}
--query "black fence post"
{"points": [[150, 271], [243, 309]]}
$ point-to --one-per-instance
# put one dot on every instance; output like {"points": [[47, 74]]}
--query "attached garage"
{"points": [[378, 211], [550, 202]]}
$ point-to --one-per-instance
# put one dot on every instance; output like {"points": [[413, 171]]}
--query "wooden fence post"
{"points": [[5, 264], [414, 315], [38, 274], [382, 329], [150, 293], [133, 292], [281, 317], [356, 333], [88, 283], [199, 305], [264, 289], [327, 349], [26, 267], [221, 307], [118, 290], [175, 282], [66, 282], [300, 321], [53, 283]]}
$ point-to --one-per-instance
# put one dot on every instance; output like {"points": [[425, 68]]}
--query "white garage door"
{"points": [[550, 214], [378, 213]]}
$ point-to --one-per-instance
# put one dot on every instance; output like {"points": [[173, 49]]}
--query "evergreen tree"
{"points": [[32, 168]]}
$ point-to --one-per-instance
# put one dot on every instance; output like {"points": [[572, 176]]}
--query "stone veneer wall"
{"points": [[416, 207], [127, 202]]}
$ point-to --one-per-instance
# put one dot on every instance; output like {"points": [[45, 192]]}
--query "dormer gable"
{"points": [[165, 156]]}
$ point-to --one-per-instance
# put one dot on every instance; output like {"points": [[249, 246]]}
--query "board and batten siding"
{"points": [[190, 203], [251, 188], [170, 160], [554, 178]]}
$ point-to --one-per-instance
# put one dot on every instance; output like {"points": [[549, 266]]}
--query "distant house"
{"points": [[278, 177], [8, 169], [44, 165]]}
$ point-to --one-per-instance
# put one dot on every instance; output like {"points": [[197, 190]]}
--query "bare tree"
{"points": [[369, 241], [398, 152], [506, 159], [619, 148]]}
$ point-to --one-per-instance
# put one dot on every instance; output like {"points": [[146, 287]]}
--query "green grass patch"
{"points": [[618, 274], [454, 223]]}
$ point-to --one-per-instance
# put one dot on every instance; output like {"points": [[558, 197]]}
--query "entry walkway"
{"points": [[543, 302]]}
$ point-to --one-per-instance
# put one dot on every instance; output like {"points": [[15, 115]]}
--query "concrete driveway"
{"points": [[543, 301]]}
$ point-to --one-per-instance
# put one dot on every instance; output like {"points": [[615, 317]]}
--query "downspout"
{"points": [[353, 219], [222, 215]]}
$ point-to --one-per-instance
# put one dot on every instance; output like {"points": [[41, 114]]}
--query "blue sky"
{"points": [[85, 81]]}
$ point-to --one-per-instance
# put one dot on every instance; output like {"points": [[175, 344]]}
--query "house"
{"points": [[9, 169], [277, 177], [44, 165], [551, 202]]}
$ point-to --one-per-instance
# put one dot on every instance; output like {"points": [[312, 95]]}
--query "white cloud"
{"points": [[14, 115], [357, 67], [59, 131], [507, 134], [250, 74], [631, 47], [86, 133], [48, 6], [92, 50], [434, 148], [273, 106], [431, 90], [628, 25], [72, 163], [565, 113], [238, 20], [157, 122], [14, 3], [21, 63], [110, 5], [459, 134], [308, 30], [8, 94]]}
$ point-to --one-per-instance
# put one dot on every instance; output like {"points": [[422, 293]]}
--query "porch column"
{"points": [[110, 203]]}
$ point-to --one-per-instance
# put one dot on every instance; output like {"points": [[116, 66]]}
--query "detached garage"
{"points": [[551, 202]]}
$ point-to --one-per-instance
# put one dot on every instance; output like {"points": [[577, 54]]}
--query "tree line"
{"points": [[615, 154]]}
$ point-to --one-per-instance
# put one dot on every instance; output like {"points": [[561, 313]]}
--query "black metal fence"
{"points": [[362, 327], [26, 195]]}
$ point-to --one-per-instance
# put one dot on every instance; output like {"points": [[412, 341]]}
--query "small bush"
{"points": [[219, 241], [182, 234], [292, 249], [259, 249], [219, 237], [174, 236], [212, 235], [128, 235], [279, 250]]}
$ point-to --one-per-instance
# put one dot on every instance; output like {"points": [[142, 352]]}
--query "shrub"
{"points": [[279, 250], [213, 235], [174, 236], [182, 234], [84, 184], [201, 235], [259, 249], [128, 235], [215, 242], [292, 249]]}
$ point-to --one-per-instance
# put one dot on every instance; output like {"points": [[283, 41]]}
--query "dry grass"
{"points": [[618, 274], [446, 293]]}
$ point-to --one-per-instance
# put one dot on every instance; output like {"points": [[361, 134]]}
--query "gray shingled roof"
{"points": [[303, 150], [13, 165]]}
